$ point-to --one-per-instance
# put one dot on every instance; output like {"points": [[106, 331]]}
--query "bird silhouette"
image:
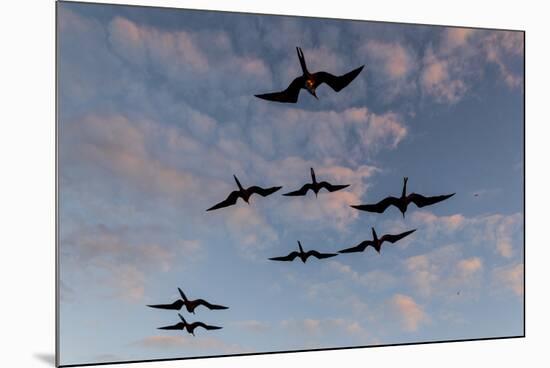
{"points": [[244, 194], [376, 242], [303, 255], [315, 187], [190, 305], [402, 202], [189, 327], [309, 82]]}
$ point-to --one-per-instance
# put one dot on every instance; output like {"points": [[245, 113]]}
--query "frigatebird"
{"points": [[303, 255], [190, 305], [402, 202], [376, 242], [244, 194], [190, 327], [309, 82], [315, 187]]}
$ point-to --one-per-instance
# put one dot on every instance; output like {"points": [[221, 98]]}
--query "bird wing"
{"points": [[177, 326], [203, 325], [264, 192], [380, 206], [229, 201], [393, 238], [332, 188], [174, 306], [287, 258], [208, 305], [337, 83], [422, 201], [318, 255], [358, 248], [289, 95], [300, 192]]}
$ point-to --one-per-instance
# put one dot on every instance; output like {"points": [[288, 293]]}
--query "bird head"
{"points": [[310, 86]]}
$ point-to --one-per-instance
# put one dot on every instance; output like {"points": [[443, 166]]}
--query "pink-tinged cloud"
{"points": [[253, 326], [396, 60], [373, 280], [119, 145], [456, 37], [118, 261], [250, 230], [511, 277], [453, 66], [141, 44], [438, 224], [183, 53], [321, 327], [438, 81], [470, 266], [199, 343], [411, 314]]}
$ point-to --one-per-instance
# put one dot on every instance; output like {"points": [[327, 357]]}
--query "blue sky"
{"points": [[156, 113]]}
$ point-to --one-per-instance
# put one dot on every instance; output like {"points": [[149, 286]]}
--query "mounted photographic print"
{"points": [[234, 183]]}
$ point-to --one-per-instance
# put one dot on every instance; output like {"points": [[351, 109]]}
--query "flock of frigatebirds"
{"points": [[400, 202], [309, 82]]}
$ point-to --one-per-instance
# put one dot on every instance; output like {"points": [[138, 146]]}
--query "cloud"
{"points": [[470, 266], [456, 37], [397, 60], [253, 326], [196, 343], [373, 280], [121, 147], [438, 271], [322, 135], [440, 81], [460, 59], [496, 230], [510, 277], [411, 314], [322, 327], [119, 257], [183, 54]]}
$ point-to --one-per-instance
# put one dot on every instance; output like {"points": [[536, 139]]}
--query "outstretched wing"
{"points": [[177, 326], [210, 306], [332, 188], [318, 255], [380, 206], [337, 83], [422, 201], [358, 248], [229, 201], [264, 192], [174, 306], [393, 238], [289, 95], [290, 257], [300, 192], [203, 325]]}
